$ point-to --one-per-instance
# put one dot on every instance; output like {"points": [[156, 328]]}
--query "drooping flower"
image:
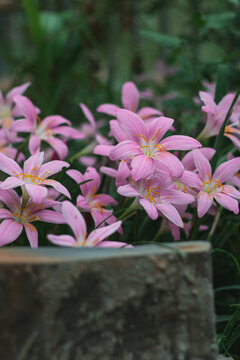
{"points": [[77, 223], [47, 129], [17, 217], [211, 187], [130, 101], [155, 197], [33, 176], [141, 145], [90, 201], [7, 108]]}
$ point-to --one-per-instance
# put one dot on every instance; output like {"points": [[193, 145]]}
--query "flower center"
{"points": [[43, 131], [24, 216], [6, 116], [150, 147], [211, 186], [152, 193], [31, 178]]}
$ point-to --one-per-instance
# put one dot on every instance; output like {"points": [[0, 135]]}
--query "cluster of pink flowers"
{"points": [[166, 175]]}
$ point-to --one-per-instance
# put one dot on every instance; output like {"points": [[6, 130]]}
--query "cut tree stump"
{"points": [[145, 303]]}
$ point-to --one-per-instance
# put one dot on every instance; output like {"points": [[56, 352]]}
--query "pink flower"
{"points": [[216, 113], [7, 108], [46, 129], [18, 217], [210, 187], [33, 176], [77, 223], [155, 198], [90, 201], [130, 101], [141, 146]]}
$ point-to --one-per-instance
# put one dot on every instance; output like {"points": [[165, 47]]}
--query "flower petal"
{"points": [[9, 231], [11, 182], [158, 128], [74, 219], [34, 162], [82, 203], [50, 216], [113, 244], [117, 132], [58, 186], [99, 234], [109, 109], [128, 191], [130, 96], [167, 162], [17, 90], [34, 144], [142, 167], [227, 169], [26, 108], [180, 142], [203, 203], [171, 213], [62, 240], [88, 114], [202, 164], [227, 202], [32, 235], [150, 209], [9, 166], [59, 146], [131, 124], [103, 150], [52, 167], [124, 150], [36, 192]]}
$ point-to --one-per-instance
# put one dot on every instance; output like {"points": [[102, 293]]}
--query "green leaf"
{"points": [[218, 21], [162, 39], [223, 318], [32, 13], [221, 88], [227, 288]]}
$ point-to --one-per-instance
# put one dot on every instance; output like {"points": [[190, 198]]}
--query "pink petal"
{"points": [[142, 167], [5, 214], [231, 191], [75, 175], [99, 234], [18, 90], [89, 116], [177, 197], [130, 96], [54, 120], [170, 212], [167, 162], [34, 144], [26, 108], [227, 202], [9, 197], [36, 192], [57, 186], [9, 231], [90, 187], [69, 132], [109, 171], [188, 161], [128, 191], [103, 150], [210, 105], [203, 203], [225, 103], [82, 203], [9, 166], [11, 182], [50, 216], [202, 164], [131, 124], [117, 132], [191, 179], [147, 112], [234, 139], [59, 146], [23, 125], [74, 219], [158, 128], [104, 199], [34, 162], [180, 142], [227, 169], [62, 240], [52, 167], [32, 235], [122, 174], [150, 209], [109, 109], [125, 150]]}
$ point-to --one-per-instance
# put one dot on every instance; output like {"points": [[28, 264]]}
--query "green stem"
{"points": [[214, 225], [25, 196], [85, 151], [131, 209]]}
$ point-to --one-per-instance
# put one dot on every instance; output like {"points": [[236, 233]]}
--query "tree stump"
{"points": [[145, 303]]}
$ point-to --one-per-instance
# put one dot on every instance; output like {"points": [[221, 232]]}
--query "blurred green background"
{"points": [[81, 50]]}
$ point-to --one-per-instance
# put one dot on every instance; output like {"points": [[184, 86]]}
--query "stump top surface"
{"points": [[48, 255]]}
